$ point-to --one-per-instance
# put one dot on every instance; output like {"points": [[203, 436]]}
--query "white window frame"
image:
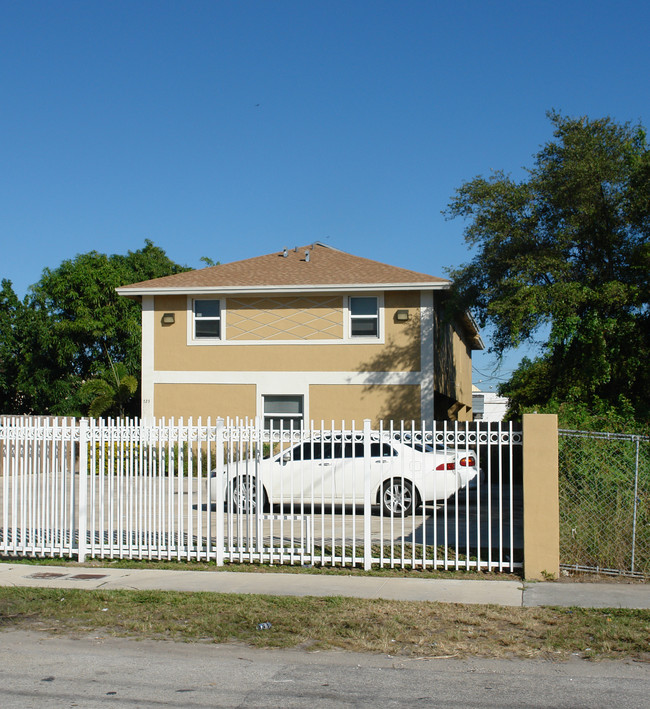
{"points": [[192, 339], [380, 317]]}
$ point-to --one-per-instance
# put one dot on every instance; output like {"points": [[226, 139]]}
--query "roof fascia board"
{"points": [[241, 290]]}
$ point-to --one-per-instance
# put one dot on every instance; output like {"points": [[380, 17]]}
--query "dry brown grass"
{"points": [[396, 628]]}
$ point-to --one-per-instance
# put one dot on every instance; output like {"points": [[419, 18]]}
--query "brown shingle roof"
{"points": [[326, 267]]}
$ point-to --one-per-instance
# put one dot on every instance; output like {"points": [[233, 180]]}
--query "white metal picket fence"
{"points": [[446, 495]]}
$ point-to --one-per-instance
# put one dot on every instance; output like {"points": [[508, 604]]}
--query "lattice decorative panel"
{"points": [[285, 318]]}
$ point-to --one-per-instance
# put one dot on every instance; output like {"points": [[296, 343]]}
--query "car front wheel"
{"points": [[243, 495], [397, 498]]}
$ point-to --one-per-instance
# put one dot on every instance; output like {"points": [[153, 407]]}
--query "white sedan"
{"points": [[402, 475]]}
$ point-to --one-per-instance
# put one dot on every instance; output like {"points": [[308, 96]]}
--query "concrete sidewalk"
{"points": [[504, 593]]}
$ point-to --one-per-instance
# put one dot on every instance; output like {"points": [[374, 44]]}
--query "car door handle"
{"points": [[325, 464]]}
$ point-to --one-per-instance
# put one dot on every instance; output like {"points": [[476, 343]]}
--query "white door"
{"points": [[302, 474]]}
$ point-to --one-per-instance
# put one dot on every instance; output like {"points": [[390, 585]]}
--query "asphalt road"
{"points": [[41, 671]]}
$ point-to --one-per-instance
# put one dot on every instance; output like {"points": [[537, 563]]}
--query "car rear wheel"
{"points": [[397, 498]]}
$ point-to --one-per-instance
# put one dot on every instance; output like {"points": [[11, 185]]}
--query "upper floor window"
{"points": [[207, 319], [364, 316]]}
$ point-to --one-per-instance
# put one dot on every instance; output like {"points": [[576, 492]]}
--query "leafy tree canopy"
{"points": [[563, 256], [73, 327], [10, 307]]}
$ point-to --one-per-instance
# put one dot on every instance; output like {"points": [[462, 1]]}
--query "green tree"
{"points": [[10, 351], [72, 325], [563, 255]]}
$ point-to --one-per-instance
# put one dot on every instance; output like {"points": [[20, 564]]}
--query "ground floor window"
{"points": [[283, 410]]}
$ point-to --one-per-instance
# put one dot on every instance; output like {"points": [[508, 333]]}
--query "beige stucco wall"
{"points": [[356, 402], [194, 400], [326, 402], [399, 353], [389, 379]]}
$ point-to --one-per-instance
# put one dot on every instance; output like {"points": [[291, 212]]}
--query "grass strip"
{"points": [[173, 565], [401, 628]]}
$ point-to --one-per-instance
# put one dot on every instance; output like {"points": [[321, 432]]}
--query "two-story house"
{"points": [[304, 334]]}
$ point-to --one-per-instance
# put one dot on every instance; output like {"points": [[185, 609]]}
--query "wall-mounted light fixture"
{"points": [[402, 315], [168, 319]]}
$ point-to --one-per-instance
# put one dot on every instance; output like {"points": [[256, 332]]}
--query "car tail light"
{"points": [[468, 461], [446, 466]]}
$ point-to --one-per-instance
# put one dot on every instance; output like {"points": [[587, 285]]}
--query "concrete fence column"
{"points": [[541, 503]]}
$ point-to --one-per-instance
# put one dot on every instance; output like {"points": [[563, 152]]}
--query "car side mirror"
{"points": [[286, 458]]}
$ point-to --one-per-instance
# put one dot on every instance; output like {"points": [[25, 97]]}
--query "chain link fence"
{"points": [[604, 488]]}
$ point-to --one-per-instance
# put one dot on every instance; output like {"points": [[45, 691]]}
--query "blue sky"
{"points": [[233, 129]]}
